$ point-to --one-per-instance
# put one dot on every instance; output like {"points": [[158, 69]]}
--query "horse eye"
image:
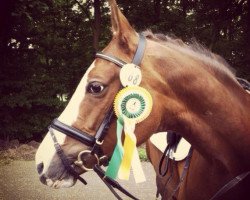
{"points": [[95, 88]]}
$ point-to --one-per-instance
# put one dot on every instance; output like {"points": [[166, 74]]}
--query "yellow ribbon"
{"points": [[131, 157]]}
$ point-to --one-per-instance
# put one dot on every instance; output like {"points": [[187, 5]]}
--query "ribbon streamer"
{"points": [[115, 162], [139, 175], [131, 157], [132, 105], [129, 147]]}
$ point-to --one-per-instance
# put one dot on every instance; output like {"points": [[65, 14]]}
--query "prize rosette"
{"points": [[133, 103]]}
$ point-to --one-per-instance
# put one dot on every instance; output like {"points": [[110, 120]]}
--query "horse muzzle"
{"points": [[57, 177]]}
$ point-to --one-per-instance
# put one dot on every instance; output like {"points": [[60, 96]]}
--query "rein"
{"points": [[230, 185], [95, 142]]}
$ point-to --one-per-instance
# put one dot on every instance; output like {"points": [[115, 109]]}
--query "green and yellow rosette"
{"points": [[132, 105]]}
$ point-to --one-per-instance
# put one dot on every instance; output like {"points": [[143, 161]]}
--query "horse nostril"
{"points": [[40, 168], [43, 179]]}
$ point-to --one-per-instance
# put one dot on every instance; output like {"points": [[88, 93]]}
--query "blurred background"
{"points": [[46, 46]]}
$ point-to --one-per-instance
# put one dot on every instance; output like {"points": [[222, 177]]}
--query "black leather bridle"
{"points": [[95, 142]]}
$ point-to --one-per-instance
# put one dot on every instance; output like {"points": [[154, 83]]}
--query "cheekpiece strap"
{"points": [[140, 50], [64, 159]]}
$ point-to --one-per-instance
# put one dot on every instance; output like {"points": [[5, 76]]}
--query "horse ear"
{"points": [[120, 25]]}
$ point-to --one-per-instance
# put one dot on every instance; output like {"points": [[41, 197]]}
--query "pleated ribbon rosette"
{"points": [[132, 105]]}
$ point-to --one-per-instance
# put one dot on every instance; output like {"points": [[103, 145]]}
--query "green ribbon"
{"points": [[115, 162]]}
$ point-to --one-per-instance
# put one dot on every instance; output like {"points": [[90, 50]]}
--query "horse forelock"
{"points": [[194, 49]]}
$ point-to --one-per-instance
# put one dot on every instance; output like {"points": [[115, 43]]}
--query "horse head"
{"points": [[89, 106]]}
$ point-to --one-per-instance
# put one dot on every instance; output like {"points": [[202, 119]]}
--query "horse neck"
{"points": [[205, 106]]}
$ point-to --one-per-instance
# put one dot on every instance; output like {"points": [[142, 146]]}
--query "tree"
{"points": [[46, 46], [43, 58]]}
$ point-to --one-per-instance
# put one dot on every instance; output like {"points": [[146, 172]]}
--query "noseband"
{"points": [[95, 142]]}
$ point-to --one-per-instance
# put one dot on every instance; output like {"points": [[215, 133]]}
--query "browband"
{"points": [[137, 57], [110, 58]]}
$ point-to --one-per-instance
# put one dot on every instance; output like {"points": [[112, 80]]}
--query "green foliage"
{"points": [[46, 46], [43, 56], [142, 154]]}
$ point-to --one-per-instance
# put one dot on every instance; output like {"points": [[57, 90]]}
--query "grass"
{"points": [[142, 154]]}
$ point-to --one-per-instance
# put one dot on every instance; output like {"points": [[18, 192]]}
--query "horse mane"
{"points": [[194, 48]]}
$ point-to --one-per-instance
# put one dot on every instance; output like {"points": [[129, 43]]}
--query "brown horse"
{"points": [[194, 93]]}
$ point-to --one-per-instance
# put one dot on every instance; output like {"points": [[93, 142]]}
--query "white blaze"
{"points": [[46, 150], [70, 113]]}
